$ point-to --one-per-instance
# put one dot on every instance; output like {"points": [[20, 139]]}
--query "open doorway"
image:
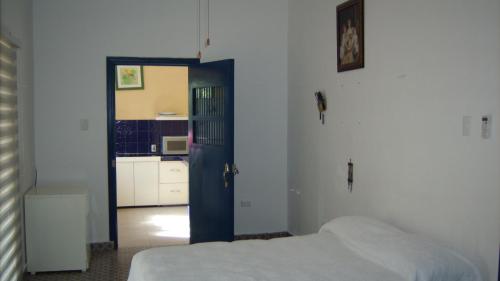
{"points": [[158, 166], [150, 150]]}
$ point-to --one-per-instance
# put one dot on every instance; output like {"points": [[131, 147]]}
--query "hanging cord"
{"points": [[199, 30], [36, 180], [207, 43]]}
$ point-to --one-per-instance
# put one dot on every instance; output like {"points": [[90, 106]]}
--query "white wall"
{"points": [[428, 63], [72, 40]]}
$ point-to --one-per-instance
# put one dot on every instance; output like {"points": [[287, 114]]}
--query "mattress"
{"points": [[317, 257], [344, 249]]}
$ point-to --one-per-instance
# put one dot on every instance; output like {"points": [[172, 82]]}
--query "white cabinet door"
{"points": [[124, 184], [146, 183], [173, 171], [174, 193]]}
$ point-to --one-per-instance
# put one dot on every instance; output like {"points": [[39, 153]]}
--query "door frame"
{"points": [[111, 63]]}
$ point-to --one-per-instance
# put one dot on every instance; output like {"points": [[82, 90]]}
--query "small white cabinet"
{"points": [[56, 220]]}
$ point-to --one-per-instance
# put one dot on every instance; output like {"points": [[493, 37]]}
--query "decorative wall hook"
{"points": [[350, 175], [321, 101]]}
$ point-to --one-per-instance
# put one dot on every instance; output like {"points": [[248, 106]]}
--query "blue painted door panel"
{"points": [[211, 136]]}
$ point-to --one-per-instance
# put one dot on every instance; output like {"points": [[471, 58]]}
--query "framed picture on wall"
{"points": [[350, 35], [129, 77]]}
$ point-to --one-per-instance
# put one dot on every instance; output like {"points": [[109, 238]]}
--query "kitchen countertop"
{"points": [[175, 158], [137, 156]]}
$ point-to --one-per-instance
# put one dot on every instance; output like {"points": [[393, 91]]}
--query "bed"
{"points": [[345, 249]]}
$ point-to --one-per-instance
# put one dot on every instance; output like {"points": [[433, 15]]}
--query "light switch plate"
{"points": [[466, 126], [486, 121]]}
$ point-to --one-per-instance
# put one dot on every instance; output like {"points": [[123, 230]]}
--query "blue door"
{"points": [[211, 153]]}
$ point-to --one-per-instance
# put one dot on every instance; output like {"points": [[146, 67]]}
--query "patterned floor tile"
{"points": [[105, 265], [114, 265]]}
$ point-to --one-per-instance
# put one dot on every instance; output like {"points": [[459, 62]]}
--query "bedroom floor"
{"points": [[111, 265], [151, 227], [105, 265]]}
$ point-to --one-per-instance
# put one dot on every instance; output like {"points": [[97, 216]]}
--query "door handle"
{"points": [[226, 172], [229, 171]]}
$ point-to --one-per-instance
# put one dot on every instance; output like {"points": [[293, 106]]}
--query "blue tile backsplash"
{"points": [[135, 137]]}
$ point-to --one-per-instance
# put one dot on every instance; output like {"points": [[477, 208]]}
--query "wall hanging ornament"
{"points": [[350, 175], [321, 102]]}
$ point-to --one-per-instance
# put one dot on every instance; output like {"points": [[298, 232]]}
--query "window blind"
{"points": [[10, 212]]}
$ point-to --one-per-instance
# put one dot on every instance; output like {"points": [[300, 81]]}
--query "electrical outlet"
{"points": [[466, 125], [153, 148], [246, 204]]}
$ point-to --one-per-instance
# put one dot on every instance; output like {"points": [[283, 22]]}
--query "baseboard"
{"points": [[102, 246], [262, 236]]}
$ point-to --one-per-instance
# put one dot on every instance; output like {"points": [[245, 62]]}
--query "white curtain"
{"points": [[10, 212]]}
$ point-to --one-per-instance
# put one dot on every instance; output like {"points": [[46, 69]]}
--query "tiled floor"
{"points": [[110, 265], [151, 227], [105, 265], [144, 227], [138, 229]]}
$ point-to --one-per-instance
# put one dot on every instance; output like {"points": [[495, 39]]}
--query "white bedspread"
{"points": [[315, 257]]}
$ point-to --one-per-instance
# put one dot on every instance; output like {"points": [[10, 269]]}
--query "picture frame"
{"points": [[129, 77], [350, 35]]}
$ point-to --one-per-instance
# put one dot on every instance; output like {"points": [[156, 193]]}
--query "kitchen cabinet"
{"points": [[137, 181], [173, 171], [173, 193], [174, 183], [146, 183], [125, 184]]}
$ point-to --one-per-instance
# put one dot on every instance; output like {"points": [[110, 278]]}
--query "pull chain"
{"points": [[198, 55], [207, 43]]}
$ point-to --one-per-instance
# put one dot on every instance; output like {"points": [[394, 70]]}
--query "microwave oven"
{"points": [[175, 145]]}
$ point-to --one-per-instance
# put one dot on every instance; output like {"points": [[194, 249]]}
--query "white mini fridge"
{"points": [[57, 237]]}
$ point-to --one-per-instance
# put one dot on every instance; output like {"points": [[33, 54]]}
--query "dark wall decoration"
{"points": [[350, 35]]}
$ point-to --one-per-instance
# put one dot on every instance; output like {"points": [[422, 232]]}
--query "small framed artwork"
{"points": [[129, 77], [350, 35]]}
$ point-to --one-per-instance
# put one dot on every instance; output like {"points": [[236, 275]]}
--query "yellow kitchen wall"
{"points": [[165, 90]]}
